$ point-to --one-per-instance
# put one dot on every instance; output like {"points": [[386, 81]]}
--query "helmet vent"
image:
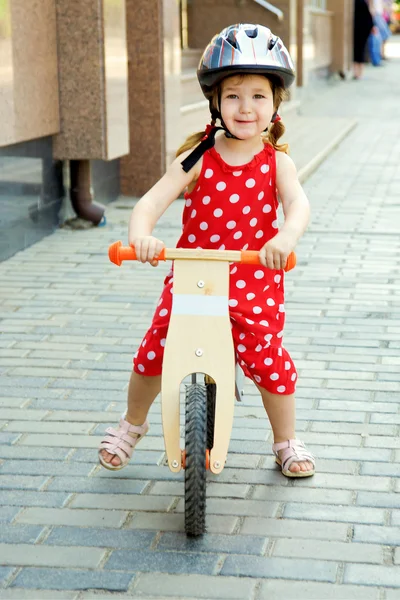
{"points": [[272, 43], [252, 33], [231, 39]]}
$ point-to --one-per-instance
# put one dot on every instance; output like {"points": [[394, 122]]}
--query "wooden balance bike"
{"points": [[199, 344]]}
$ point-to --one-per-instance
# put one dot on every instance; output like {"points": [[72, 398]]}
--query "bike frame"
{"points": [[199, 340]]}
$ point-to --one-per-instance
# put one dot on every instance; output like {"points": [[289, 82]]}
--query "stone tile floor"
{"points": [[69, 324]]}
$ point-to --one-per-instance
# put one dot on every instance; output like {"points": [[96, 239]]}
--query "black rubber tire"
{"points": [[211, 396], [195, 471]]}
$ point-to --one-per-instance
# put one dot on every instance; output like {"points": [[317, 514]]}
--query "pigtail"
{"points": [[194, 139], [274, 133]]}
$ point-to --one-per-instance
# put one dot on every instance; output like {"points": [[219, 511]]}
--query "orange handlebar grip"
{"points": [[251, 257], [290, 262], [117, 253]]}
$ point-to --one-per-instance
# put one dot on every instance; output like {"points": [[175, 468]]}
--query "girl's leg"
{"points": [[281, 411], [142, 392]]}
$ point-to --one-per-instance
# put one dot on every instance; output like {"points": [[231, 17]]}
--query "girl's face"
{"points": [[247, 105]]}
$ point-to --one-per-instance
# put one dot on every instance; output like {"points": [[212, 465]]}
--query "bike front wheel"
{"points": [[195, 459]]}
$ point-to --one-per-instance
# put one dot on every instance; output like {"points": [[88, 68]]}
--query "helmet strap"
{"points": [[207, 142], [228, 134]]}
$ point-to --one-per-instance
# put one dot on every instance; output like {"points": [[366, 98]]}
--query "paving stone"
{"points": [[294, 528], [23, 414], [22, 482], [45, 467], [278, 568], [25, 453], [97, 485], [141, 472], [21, 382], [101, 538], [261, 476], [21, 594], [67, 516], [213, 543], [350, 482], [7, 513], [90, 384], [54, 556], [196, 586], [396, 518], [164, 562], [377, 499], [48, 439], [8, 438], [30, 393], [81, 414], [32, 498], [73, 405], [297, 494], [349, 514], [385, 576], [45, 427], [329, 550], [12, 402], [309, 590], [64, 579], [224, 524], [237, 507], [5, 573], [123, 501], [388, 536], [214, 489], [19, 534]]}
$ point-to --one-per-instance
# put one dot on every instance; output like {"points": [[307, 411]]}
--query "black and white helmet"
{"points": [[244, 48]]}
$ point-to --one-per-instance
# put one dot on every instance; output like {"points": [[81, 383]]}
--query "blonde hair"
{"points": [[275, 130]]}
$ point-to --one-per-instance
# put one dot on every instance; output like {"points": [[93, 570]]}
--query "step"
{"points": [[190, 89], [190, 58], [312, 139]]}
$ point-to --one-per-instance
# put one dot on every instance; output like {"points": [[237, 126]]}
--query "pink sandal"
{"points": [[121, 442], [293, 451]]}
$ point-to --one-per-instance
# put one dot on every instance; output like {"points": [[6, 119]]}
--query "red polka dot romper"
{"points": [[235, 208]]}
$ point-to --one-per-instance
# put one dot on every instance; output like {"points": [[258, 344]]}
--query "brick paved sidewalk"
{"points": [[70, 322]]}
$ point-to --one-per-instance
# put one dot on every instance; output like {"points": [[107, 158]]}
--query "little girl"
{"points": [[232, 182]]}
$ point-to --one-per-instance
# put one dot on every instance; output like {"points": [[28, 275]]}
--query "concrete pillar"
{"points": [[28, 71], [154, 90], [92, 60], [342, 34]]}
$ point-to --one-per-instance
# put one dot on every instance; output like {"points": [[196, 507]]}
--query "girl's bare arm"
{"points": [[154, 203], [295, 204], [296, 209]]}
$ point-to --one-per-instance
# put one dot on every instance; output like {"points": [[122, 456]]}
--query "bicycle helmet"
{"points": [[241, 48], [244, 48]]}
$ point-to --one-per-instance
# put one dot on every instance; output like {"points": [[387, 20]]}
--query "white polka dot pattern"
{"points": [[234, 208]]}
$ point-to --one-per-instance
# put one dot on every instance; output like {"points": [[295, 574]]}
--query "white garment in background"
{"points": [[377, 7]]}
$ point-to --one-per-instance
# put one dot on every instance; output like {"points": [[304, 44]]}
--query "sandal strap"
{"points": [[121, 442], [293, 451]]}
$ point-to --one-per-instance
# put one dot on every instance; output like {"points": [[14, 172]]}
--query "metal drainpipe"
{"points": [[81, 192]]}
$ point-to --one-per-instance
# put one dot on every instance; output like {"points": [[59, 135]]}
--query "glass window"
{"points": [[318, 4]]}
